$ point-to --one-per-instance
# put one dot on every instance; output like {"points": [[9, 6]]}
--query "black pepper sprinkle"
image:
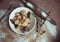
{"points": [[43, 32]]}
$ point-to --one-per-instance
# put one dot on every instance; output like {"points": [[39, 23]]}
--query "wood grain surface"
{"points": [[48, 5]]}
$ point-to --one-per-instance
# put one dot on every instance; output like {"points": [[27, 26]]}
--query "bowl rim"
{"points": [[29, 30]]}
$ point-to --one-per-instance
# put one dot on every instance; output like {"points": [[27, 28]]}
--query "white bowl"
{"points": [[33, 20]]}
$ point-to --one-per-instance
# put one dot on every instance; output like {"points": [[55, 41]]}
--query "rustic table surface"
{"points": [[49, 5]]}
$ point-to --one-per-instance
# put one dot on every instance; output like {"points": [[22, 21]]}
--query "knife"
{"points": [[37, 10]]}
